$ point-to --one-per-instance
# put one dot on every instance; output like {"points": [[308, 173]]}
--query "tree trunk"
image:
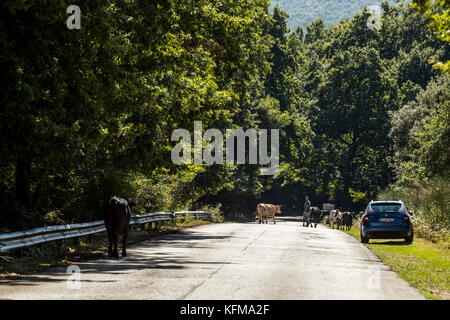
{"points": [[23, 181]]}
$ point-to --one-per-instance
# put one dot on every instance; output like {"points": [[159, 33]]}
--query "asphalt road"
{"points": [[228, 261]]}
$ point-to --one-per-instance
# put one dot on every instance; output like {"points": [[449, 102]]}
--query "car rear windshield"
{"points": [[385, 207]]}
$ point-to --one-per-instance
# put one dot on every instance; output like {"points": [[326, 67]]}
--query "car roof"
{"points": [[388, 201]]}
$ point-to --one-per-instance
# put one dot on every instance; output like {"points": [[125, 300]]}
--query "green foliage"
{"points": [[357, 196], [420, 132], [88, 114], [217, 215], [438, 11]]}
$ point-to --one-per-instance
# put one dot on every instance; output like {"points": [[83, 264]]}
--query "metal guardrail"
{"points": [[21, 239]]}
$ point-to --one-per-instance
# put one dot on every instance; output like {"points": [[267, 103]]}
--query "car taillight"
{"points": [[406, 219], [366, 220]]}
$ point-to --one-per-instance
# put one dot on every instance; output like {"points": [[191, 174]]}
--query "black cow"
{"points": [[347, 220], [117, 216], [315, 216]]}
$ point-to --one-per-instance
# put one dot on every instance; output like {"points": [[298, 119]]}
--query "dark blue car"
{"points": [[386, 220]]}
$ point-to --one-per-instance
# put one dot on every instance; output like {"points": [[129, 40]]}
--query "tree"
{"points": [[438, 11], [351, 120], [420, 133], [85, 110]]}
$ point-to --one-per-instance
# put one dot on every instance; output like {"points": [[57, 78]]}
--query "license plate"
{"points": [[387, 219]]}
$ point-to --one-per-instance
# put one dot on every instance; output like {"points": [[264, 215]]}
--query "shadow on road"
{"points": [[282, 219], [394, 243], [144, 255], [289, 218]]}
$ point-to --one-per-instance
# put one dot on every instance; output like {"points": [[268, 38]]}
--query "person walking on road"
{"points": [[306, 211]]}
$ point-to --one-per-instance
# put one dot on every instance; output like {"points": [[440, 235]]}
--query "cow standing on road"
{"points": [[117, 215], [266, 211], [347, 220], [335, 216], [339, 219], [315, 217], [260, 212]]}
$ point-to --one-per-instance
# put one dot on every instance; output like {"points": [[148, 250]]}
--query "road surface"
{"points": [[228, 261]]}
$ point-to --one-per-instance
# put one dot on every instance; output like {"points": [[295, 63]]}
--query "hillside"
{"points": [[302, 12]]}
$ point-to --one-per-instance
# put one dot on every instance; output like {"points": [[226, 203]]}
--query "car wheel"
{"points": [[364, 239], [409, 240]]}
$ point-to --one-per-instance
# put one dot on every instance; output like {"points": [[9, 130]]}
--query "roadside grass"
{"points": [[423, 264], [66, 252]]}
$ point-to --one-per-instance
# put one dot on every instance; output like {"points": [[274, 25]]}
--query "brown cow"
{"points": [[260, 212], [267, 211], [117, 216]]}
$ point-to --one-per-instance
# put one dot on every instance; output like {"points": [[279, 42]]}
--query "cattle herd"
{"points": [[341, 219], [117, 215]]}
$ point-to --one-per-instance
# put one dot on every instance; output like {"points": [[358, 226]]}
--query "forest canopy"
{"points": [[87, 114]]}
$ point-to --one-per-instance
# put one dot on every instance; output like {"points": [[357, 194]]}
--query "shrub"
{"points": [[217, 214]]}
